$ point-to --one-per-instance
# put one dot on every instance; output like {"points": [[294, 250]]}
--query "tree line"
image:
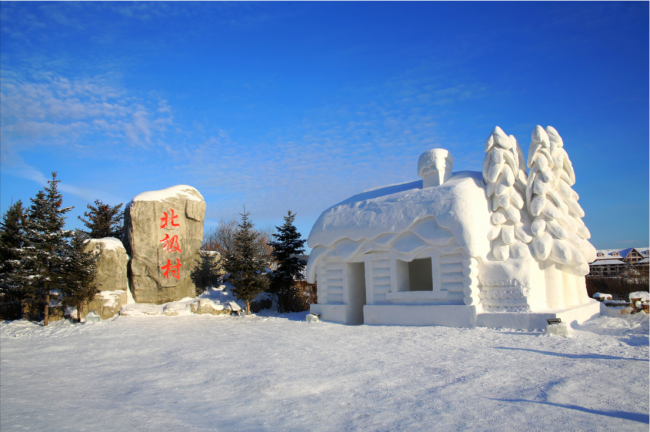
{"points": [[250, 257], [40, 258], [256, 261]]}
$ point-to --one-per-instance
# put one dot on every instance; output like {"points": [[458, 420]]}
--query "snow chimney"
{"points": [[434, 166]]}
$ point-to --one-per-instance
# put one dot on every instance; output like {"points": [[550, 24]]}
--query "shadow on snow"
{"points": [[574, 356], [637, 417]]}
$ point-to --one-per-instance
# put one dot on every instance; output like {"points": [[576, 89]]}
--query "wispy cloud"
{"points": [[337, 150], [368, 134], [27, 21], [22, 170], [89, 117], [45, 108]]}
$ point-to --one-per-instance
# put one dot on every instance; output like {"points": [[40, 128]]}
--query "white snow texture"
{"points": [[270, 373]]}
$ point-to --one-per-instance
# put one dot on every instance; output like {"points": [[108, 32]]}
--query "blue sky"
{"points": [[288, 105]]}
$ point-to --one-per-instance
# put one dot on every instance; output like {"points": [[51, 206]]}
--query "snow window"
{"points": [[416, 275]]}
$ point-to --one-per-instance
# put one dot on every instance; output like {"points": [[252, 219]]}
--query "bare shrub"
{"points": [[300, 298], [619, 287], [222, 238]]}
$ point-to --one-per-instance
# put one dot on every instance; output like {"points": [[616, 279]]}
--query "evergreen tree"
{"points": [[286, 248], [80, 271], [42, 257], [207, 270], [11, 230], [246, 263], [103, 220], [12, 239]]}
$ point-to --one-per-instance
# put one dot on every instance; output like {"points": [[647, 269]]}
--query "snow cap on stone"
{"points": [[107, 243], [180, 191]]}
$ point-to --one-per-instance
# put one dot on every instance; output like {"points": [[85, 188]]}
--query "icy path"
{"points": [[195, 373]]}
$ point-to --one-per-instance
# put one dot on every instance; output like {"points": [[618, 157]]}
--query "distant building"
{"points": [[612, 262]]}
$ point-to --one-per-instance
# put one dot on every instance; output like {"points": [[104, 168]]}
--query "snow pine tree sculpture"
{"points": [[560, 236], [497, 248], [505, 182]]}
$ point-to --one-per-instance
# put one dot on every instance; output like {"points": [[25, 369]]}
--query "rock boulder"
{"points": [[111, 265], [106, 304], [206, 306], [163, 232]]}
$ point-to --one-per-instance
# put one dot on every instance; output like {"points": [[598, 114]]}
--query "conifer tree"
{"points": [[12, 239], [103, 220], [11, 230], [42, 258], [286, 248], [246, 263], [207, 270], [80, 272]]}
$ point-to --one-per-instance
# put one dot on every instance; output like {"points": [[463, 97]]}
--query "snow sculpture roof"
{"points": [[181, 191], [405, 218]]}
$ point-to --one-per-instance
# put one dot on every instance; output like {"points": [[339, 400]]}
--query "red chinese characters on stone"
{"points": [[167, 219], [174, 270], [170, 244]]}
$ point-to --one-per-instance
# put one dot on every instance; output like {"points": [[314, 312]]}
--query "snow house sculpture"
{"points": [[498, 248]]}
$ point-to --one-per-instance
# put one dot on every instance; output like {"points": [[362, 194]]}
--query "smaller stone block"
{"points": [[560, 329], [602, 296], [106, 304], [92, 317], [205, 306], [312, 318], [111, 264]]}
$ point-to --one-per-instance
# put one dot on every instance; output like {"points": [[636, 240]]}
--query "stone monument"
{"points": [[163, 232]]}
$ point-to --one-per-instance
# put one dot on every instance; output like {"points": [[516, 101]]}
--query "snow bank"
{"points": [[622, 311], [217, 299], [643, 295], [181, 307], [602, 296], [141, 309], [110, 297]]}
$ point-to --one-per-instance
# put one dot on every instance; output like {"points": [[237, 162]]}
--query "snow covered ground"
{"points": [[279, 373]]}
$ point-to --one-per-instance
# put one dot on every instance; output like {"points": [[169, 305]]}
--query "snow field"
{"points": [[272, 373]]}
